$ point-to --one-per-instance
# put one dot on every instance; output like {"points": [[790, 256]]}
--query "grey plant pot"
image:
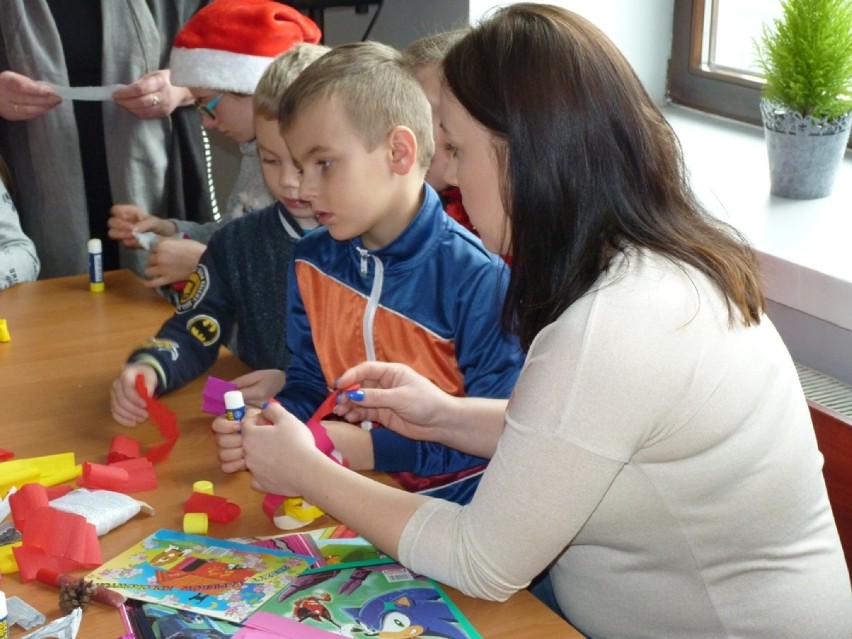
{"points": [[804, 152]]}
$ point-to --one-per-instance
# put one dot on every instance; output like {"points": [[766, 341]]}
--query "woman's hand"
{"points": [[258, 386], [271, 443], [395, 396], [124, 219], [152, 96], [24, 99]]}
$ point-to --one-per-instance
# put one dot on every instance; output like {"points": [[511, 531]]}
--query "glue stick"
{"points": [[4, 622], [96, 265], [235, 406]]}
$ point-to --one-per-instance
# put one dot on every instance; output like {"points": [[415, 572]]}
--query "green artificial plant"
{"points": [[806, 57]]}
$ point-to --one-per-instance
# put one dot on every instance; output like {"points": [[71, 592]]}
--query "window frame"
{"points": [[696, 85]]}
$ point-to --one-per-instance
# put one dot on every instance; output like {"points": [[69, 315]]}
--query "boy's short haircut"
{"points": [[280, 74], [430, 50], [374, 87]]}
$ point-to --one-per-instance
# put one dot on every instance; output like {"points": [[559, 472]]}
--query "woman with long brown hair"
{"points": [[657, 454]]}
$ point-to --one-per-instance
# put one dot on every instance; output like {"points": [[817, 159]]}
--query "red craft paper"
{"points": [[56, 540], [55, 492], [165, 420], [104, 477], [218, 509], [6, 455], [27, 499], [123, 447], [141, 475]]}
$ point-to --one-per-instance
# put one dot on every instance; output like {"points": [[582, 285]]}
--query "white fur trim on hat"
{"points": [[217, 69]]}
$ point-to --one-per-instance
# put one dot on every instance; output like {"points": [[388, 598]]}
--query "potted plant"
{"points": [[806, 103]]}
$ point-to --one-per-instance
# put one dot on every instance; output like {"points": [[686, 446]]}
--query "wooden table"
{"points": [[67, 345]]}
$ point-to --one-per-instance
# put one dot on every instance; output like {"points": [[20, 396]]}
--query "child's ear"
{"points": [[403, 148]]}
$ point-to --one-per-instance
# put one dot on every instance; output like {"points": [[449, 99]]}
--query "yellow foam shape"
{"points": [[48, 470], [301, 510], [8, 564], [195, 523]]}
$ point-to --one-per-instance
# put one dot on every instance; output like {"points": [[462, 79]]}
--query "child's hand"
{"points": [[172, 260], [128, 408], [278, 450], [258, 386], [230, 443]]}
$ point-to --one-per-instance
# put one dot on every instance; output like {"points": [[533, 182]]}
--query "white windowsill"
{"points": [[803, 246]]}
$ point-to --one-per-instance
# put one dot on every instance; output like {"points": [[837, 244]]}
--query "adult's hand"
{"points": [[279, 450], [126, 218], [395, 396], [22, 98], [152, 96]]}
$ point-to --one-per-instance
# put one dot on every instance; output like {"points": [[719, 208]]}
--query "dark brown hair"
{"points": [[591, 165]]}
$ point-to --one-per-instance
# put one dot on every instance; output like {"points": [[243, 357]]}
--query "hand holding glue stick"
{"points": [[260, 450]]}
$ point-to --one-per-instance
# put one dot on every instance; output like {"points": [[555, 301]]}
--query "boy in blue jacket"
{"points": [[240, 282], [390, 277]]}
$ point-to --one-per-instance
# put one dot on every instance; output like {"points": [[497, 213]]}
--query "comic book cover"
{"points": [[145, 620], [218, 578], [368, 601], [333, 547]]}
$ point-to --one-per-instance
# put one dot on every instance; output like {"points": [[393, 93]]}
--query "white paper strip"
{"points": [[98, 94]]}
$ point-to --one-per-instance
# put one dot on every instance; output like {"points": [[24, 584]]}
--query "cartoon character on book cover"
{"points": [[385, 601]]}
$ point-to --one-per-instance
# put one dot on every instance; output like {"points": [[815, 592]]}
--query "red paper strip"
{"points": [[57, 540], [123, 447], [55, 492], [141, 475], [165, 420], [216, 508], [27, 499], [105, 477]]}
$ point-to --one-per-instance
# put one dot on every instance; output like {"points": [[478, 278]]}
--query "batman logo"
{"points": [[203, 328], [194, 290]]}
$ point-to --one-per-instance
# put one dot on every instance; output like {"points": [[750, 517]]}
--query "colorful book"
{"points": [[333, 547], [367, 601], [145, 620], [213, 577]]}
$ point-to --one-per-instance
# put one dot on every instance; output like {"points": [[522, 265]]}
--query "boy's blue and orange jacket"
{"points": [[430, 299]]}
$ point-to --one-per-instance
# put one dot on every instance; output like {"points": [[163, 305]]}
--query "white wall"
{"points": [[642, 29]]}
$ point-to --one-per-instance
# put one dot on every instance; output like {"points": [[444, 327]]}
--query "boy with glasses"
{"points": [[220, 54], [241, 281]]}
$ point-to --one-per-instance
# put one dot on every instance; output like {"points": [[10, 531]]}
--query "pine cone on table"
{"points": [[75, 594]]}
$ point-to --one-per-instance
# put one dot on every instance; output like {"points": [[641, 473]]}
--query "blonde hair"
{"points": [[430, 50], [280, 74], [374, 87]]}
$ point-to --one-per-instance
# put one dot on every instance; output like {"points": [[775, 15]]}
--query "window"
{"points": [[712, 66]]}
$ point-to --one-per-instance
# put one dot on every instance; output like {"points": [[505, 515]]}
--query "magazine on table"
{"points": [[214, 577]]}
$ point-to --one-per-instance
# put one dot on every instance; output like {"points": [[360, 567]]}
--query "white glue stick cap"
{"points": [[234, 399], [95, 246]]}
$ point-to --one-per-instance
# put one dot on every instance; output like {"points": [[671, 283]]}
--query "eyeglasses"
{"points": [[206, 108]]}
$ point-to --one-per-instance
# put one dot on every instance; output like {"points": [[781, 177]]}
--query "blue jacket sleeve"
{"points": [[188, 343], [490, 360], [305, 388]]}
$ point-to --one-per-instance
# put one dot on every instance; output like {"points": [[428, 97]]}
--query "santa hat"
{"points": [[228, 44]]}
